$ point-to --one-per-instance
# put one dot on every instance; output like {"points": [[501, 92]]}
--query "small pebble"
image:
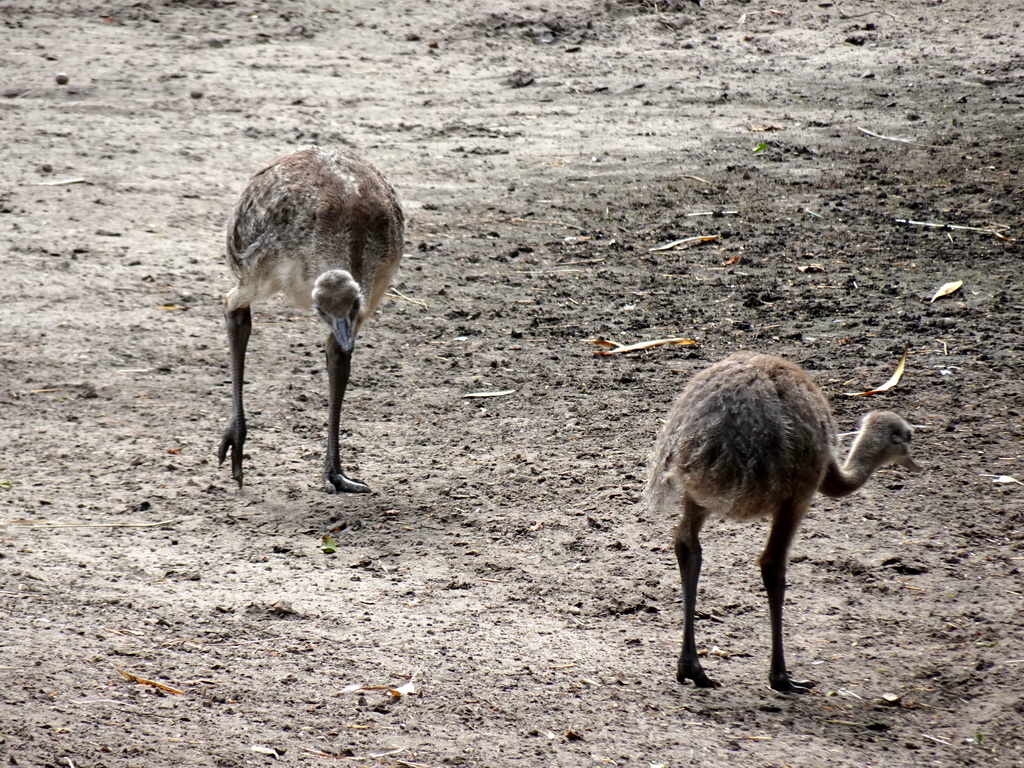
{"points": [[196, 94], [61, 78]]}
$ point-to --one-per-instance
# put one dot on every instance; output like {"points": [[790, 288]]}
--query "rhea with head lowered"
{"points": [[751, 437], [324, 228]]}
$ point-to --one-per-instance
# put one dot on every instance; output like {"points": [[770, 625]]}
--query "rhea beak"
{"points": [[910, 464], [344, 331]]}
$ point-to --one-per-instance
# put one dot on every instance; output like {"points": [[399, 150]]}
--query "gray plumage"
{"points": [[750, 437], [326, 229]]}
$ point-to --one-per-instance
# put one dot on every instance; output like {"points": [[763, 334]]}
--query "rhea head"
{"points": [[338, 300]]}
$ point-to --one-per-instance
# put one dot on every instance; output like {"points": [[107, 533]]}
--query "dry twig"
{"points": [[397, 294], [143, 681], [887, 138], [695, 178], [676, 243], [545, 221], [996, 230], [614, 348], [61, 182], [102, 525], [499, 393]]}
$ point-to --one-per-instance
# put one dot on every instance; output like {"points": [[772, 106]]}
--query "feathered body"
{"points": [[743, 436], [752, 436], [324, 227], [309, 213]]}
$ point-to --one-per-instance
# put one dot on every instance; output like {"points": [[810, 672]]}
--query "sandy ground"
{"points": [[543, 154]]}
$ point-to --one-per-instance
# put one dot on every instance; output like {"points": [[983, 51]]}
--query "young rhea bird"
{"points": [[750, 437], [324, 228]]}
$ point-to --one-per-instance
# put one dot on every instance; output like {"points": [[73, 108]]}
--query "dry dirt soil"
{"points": [[544, 152]]}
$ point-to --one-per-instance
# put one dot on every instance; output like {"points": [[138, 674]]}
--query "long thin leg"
{"points": [[773, 572], [239, 325], [689, 555], [339, 364]]}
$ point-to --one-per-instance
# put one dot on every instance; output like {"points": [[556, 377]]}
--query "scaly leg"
{"points": [[239, 325], [339, 364], [689, 556], [773, 572]]}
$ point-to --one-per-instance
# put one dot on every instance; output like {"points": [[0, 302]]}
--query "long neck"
{"points": [[855, 471]]}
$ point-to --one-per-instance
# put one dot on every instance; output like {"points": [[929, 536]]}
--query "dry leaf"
{"points": [[490, 394], [730, 262], [947, 289], [614, 348], [892, 382]]}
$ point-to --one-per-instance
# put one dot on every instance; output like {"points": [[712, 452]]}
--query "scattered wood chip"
{"points": [[729, 262], [946, 289], [143, 681], [614, 348], [890, 699], [269, 751], [499, 393], [892, 382], [685, 240]]}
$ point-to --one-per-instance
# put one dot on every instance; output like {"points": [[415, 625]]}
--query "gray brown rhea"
{"points": [[752, 437], [324, 228]]}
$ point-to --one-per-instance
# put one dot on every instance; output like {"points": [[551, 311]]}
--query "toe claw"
{"points": [[693, 671], [787, 685], [233, 439], [338, 482]]}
